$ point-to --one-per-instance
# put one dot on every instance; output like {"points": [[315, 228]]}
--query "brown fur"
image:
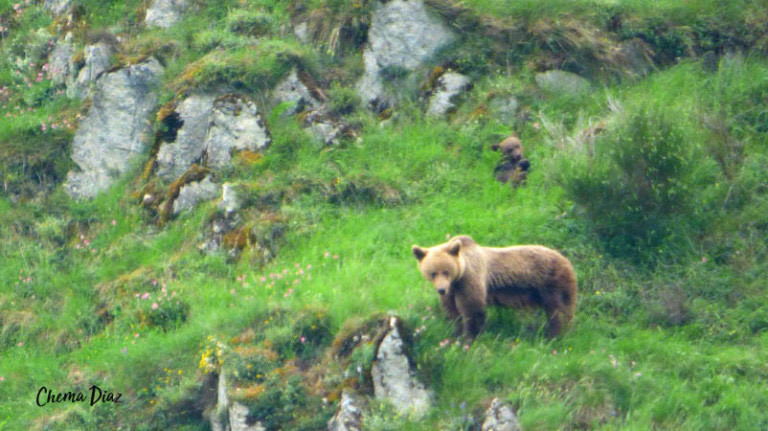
{"points": [[470, 277], [512, 168]]}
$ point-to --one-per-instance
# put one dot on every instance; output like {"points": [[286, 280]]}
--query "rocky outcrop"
{"points": [[191, 120], [291, 89], [349, 416], [562, 82], [403, 35], [165, 13], [193, 193], [62, 67], [210, 130], [229, 415], [113, 133], [449, 86], [499, 417], [57, 7], [236, 125], [96, 62], [394, 379]]}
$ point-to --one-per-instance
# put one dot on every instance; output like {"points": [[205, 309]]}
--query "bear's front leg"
{"points": [[448, 303], [473, 324]]}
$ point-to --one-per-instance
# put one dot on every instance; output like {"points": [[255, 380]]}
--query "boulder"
{"points": [[165, 13], [449, 85], [229, 200], [403, 35], [113, 133], [393, 378], [235, 125], [560, 81], [230, 415], [349, 416], [504, 108], [499, 417], [96, 62], [192, 117], [193, 193]]}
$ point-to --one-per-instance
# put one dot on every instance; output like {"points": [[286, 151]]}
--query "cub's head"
{"points": [[441, 264], [511, 148]]}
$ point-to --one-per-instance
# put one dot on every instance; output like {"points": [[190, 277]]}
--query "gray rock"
{"points": [[96, 62], [229, 200], [60, 62], [504, 108], [560, 81], [193, 193], [301, 31], [393, 378], [57, 7], [175, 158], [238, 419], [113, 133], [402, 35], [235, 125], [499, 417], [165, 13], [449, 85], [291, 89], [222, 403], [349, 416]]}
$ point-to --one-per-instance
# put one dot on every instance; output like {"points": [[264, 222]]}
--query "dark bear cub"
{"points": [[469, 277], [512, 168]]}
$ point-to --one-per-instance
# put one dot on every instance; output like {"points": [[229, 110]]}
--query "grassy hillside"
{"points": [[655, 187]]}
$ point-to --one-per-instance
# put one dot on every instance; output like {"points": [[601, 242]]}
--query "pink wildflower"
{"points": [[154, 305], [145, 295]]}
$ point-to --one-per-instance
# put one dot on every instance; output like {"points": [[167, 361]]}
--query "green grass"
{"points": [[665, 337]]}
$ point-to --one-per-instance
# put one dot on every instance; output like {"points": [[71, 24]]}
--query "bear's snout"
{"points": [[441, 291]]}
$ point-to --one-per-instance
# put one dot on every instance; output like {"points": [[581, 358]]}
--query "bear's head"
{"points": [[441, 265], [511, 148]]}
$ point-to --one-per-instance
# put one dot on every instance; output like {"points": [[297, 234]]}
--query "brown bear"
{"points": [[512, 168], [469, 277]]}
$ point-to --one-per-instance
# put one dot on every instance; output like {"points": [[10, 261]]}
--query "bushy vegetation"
{"points": [[653, 186]]}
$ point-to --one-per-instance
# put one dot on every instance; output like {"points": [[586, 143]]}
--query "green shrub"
{"points": [[641, 182]]}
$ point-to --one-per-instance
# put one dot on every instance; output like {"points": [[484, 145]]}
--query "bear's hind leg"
{"points": [[556, 319]]}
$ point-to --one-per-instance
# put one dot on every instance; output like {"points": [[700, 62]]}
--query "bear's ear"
{"points": [[418, 252], [454, 247]]}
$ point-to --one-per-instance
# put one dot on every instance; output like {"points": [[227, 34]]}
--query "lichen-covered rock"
{"points": [[238, 419], [236, 125], [393, 378], [403, 35], [165, 13], [560, 81], [499, 417], [57, 7], [115, 129], [194, 115], [229, 199], [96, 62], [60, 62], [349, 416], [449, 85], [193, 193], [504, 108], [291, 89]]}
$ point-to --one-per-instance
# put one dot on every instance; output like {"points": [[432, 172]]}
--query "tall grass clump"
{"points": [[640, 184]]}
